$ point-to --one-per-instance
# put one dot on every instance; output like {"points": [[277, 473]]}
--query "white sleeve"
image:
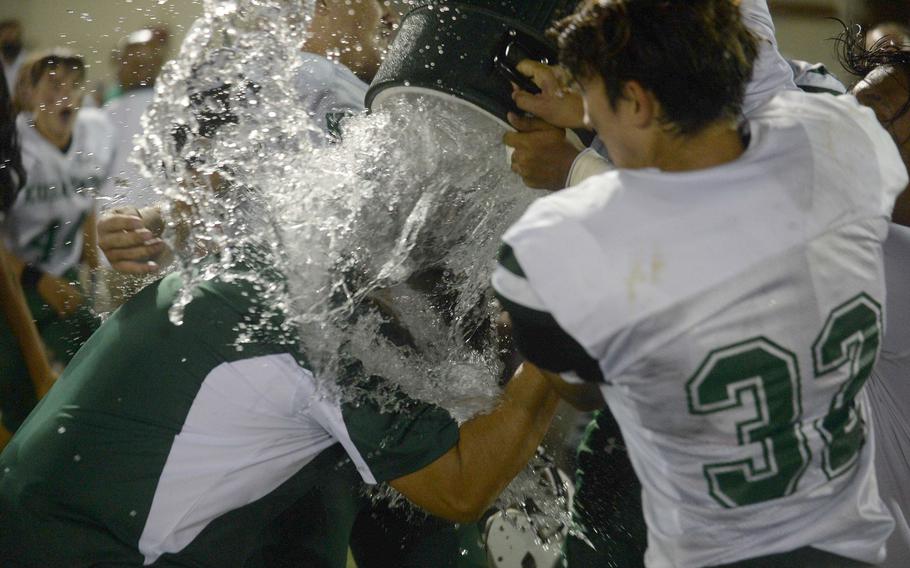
{"points": [[771, 73], [587, 164]]}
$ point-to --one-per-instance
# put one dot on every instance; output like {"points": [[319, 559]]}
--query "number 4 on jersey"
{"points": [[760, 374]]}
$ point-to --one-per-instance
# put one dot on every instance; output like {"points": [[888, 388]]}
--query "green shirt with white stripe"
{"points": [[174, 445]]}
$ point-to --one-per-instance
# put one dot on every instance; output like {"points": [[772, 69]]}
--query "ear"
{"points": [[641, 107]]}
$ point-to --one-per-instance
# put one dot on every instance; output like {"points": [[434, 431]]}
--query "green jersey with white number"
{"points": [[732, 316], [171, 445], [44, 226]]}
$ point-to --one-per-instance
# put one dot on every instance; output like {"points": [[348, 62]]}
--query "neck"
{"points": [[715, 145], [58, 137]]}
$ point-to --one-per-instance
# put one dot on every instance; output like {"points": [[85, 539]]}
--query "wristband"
{"points": [[30, 277]]}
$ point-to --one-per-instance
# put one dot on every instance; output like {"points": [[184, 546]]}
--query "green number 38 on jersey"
{"points": [[761, 373]]}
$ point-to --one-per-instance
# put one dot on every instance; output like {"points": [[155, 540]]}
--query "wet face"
{"points": [[57, 97], [887, 92]]}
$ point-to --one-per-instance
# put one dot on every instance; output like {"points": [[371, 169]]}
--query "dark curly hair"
{"points": [[859, 60], [12, 173], [696, 56]]}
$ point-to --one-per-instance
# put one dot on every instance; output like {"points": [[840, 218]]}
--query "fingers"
{"points": [[528, 102], [141, 252], [542, 75], [119, 222], [125, 239], [136, 267], [529, 123], [128, 244]]}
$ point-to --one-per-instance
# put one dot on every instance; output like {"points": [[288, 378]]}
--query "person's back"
{"points": [[731, 314], [125, 445], [889, 390], [737, 350]]}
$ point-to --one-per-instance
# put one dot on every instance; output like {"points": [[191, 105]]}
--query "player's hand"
{"points": [[556, 103], [128, 243], [61, 295], [542, 156]]}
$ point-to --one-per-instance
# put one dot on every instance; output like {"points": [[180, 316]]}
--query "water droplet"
{"points": [[61, 430]]}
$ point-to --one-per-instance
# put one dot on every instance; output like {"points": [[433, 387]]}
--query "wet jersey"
{"points": [[44, 226], [889, 393], [731, 316], [329, 91], [170, 445]]}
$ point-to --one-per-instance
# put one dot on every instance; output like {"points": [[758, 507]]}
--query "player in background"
{"points": [[328, 88], [697, 316], [138, 62], [49, 230], [12, 55], [16, 316], [884, 68]]}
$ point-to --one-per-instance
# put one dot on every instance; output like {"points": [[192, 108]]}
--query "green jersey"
{"points": [[171, 445]]}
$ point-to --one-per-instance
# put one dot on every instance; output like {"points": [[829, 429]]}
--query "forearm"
{"points": [[5, 437], [491, 450], [586, 397], [20, 321], [90, 242]]}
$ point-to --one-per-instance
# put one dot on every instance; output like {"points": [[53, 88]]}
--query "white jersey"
{"points": [[889, 398], [44, 226], [329, 90], [126, 185], [815, 78], [733, 314]]}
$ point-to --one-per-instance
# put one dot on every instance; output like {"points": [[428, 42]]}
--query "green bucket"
{"points": [[467, 51]]}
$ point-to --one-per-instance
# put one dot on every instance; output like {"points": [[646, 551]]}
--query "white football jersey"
{"points": [[889, 397], [127, 186], [329, 91], [44, 226], [734, 314]]}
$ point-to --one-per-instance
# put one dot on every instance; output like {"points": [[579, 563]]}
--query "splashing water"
{"points": [[387, 240]]}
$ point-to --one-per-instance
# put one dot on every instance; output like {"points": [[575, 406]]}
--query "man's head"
{"points": [[10, 39], [885, 88], [57, 87], [139, 58], [680, 65], [356, 32], [888, 34], [12, 174]]}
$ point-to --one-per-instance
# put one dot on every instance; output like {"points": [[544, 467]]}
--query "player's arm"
{"points": [[57, 292], [771, 73], [491, 450], [571, 370], [20, 322]]}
